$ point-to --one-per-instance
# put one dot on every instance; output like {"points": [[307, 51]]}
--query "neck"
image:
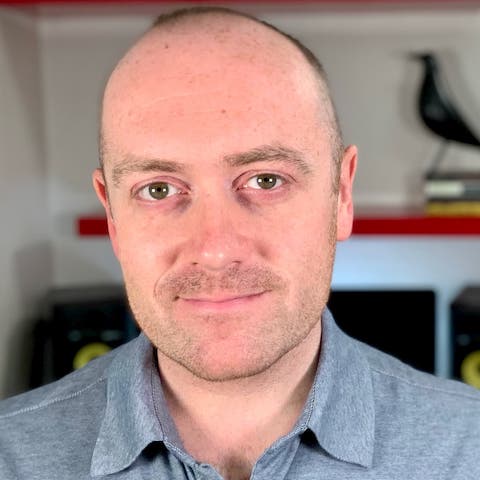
{"points": [[233, 422]]}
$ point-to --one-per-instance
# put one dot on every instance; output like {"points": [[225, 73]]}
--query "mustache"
{"points": [[234, 279]]}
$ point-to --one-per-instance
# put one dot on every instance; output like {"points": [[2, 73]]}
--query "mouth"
{"points": [[221, 301]]}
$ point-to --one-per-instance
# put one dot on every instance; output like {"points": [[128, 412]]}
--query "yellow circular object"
{"points": [[89, 352], [470, 369]]}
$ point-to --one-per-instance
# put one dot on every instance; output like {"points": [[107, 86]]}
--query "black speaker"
{"points": [[465, 329], [398, 322], [78, 325]]}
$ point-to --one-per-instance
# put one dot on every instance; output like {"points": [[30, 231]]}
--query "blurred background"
{"points": [[58, 275]]}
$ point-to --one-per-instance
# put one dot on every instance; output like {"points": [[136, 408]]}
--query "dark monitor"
{"points": [[398, 322]]}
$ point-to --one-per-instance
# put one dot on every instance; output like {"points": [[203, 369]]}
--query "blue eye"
{"points": [[264, 181], [158, 191]]}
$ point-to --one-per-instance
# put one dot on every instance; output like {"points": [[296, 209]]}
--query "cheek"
{"points": [[306, 244], [310, 225], [143, 246]]}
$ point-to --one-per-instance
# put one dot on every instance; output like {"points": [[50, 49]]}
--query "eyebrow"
{"points": [[133, 164], [270, 153], [263, 153]]}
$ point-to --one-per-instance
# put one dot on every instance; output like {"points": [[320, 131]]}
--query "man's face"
{"points": [[219, 179]]}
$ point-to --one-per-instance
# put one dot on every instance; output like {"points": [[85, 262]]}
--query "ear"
{"points": [[345, 186], [100, 187]]}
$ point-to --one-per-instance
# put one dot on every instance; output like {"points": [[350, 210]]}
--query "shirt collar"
{"points": [[340, 410], [136, 413]]}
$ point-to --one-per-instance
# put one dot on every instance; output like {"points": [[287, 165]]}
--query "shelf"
{"points": [[415, 224], [387, 223], [279, 2], [94, 226]]}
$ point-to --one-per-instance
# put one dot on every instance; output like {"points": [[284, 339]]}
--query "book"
{"points": [[457, 186], [453, 208]]}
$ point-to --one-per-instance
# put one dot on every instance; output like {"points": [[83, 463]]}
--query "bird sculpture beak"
{"points": [[421, 56]]}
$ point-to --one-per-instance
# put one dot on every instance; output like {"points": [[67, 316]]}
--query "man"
{"points": [[226, 187]]}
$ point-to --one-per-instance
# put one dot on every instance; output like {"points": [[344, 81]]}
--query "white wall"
{"points": [[25, 261], [373, 82], [77, 56]]}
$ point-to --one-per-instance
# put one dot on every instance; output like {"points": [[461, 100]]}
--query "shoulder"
{"points": [[74, 387], [424, 426], [416, 397], [60, 420], [390, 371]]}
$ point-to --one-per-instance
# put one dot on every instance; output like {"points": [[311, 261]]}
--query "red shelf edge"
{"points": [[89, 226], [293, 2], [416, 225]]}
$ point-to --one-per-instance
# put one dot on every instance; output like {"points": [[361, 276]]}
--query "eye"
{"points": [[158, 191], [264, 181]]}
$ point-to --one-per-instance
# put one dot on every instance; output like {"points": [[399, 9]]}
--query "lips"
{"points": [[220, 301], [219, 298]]}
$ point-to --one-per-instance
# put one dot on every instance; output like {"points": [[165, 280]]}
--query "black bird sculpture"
{"points": [[438, 111]]}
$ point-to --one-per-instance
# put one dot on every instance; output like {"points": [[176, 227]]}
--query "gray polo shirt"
{"points": [[367, 416]]}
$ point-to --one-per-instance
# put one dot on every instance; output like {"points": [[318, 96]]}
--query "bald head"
{"points": [[221, 25], [218, 53]]}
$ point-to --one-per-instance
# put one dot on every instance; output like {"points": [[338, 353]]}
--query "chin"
{"points": [[230, 359], [228, 369]]}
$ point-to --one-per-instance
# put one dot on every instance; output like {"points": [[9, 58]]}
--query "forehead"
{"points": [[233, 83]]}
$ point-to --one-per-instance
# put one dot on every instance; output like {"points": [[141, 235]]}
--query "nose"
{"points": [[219, 235]]}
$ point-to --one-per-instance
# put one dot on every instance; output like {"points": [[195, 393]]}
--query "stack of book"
{"points": [[452, 194]]}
